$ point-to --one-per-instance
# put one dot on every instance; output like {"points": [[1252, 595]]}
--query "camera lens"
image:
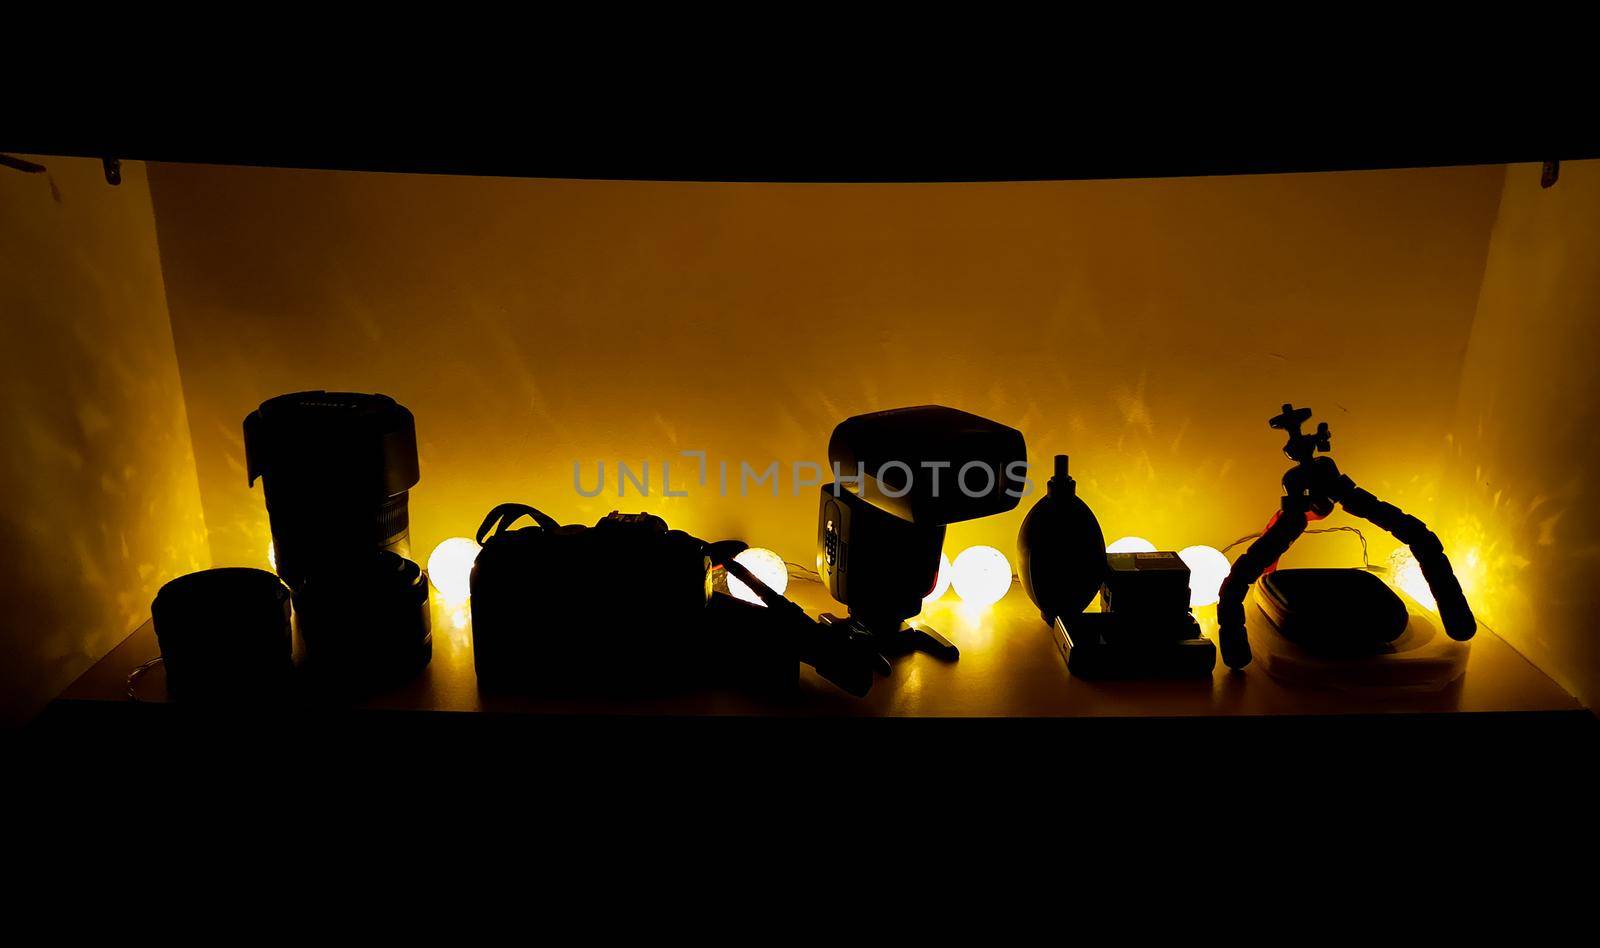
{"points": [[366, 624], [335, 468]]}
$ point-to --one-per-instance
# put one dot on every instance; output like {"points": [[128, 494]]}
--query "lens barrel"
{"points": [[365, 625], [336, 469]]}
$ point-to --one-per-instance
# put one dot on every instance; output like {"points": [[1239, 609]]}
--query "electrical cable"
{"points": [[796, 571], [138, 673], [1366, 563]]}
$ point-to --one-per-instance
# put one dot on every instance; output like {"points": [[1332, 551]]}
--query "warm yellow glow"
{"points": [[767, 566], [1147, 452], [943, 582], [450, 568], [1131, 545], [272, 556], [1208, 567], [981, 575], [1406, 573]]}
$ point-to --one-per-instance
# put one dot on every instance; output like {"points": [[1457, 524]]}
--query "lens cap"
{"points": [[224, 633]]}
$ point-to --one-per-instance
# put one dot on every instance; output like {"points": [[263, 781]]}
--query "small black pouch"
{"points": [[1333, 612]]}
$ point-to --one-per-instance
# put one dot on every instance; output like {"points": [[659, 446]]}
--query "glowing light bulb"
{"points": [[981, 575], [1131, 545], [272, 556], [1208, 567], [1406, 572], [450, 569], [767, 566], [943, 582]]}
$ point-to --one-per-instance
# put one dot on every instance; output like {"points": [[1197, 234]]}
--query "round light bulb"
{"points": [[766, 566], [450, 569], [1208, 567], [943, 582], [1131, 545], [1406, 572], [981, 575]]}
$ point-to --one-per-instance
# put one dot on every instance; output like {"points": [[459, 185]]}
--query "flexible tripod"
{"points": [[1311, 489]]}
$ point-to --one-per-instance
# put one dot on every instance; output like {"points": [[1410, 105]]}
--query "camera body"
{"points": [[550, 603]]}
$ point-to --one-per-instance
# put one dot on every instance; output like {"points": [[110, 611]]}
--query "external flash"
{"points": [[881, 527]]}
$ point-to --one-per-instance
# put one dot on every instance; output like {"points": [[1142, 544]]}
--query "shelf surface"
{"points": [[1009, 667]]}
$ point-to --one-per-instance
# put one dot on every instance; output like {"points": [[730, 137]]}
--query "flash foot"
{"points": [[899, 639]]}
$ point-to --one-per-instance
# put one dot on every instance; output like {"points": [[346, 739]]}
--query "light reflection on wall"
{"points": [[1148, 328], [101, 502], [1524, 520]]}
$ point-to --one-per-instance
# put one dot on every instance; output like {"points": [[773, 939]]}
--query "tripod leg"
{"points": [[1454, 612], [1279, 536]]}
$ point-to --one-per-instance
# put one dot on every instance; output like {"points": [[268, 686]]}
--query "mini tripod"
{"points": [[1311, 489]]}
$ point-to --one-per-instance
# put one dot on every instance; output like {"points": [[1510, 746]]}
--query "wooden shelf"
{"points": [[1009, 667]]}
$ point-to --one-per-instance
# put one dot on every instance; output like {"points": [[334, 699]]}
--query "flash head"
{"points": [[930, 465]]}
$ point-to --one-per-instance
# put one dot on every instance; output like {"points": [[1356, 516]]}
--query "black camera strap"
{"points": [[503, 516]]}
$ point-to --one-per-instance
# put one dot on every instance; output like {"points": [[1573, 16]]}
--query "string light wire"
{"points": [[1366, 563], [138, 673]]}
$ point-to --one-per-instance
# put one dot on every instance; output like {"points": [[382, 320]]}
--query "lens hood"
{"points": [[347, 441]]}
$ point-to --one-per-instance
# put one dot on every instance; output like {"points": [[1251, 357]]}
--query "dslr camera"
{"points": [[626, 606], [552, 601]]}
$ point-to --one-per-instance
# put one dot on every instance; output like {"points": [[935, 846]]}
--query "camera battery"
{"points": [[1097, 647], [1145, 584]]}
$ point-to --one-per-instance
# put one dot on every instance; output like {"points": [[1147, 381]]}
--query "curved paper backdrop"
{"points": [[1148, 328]]}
